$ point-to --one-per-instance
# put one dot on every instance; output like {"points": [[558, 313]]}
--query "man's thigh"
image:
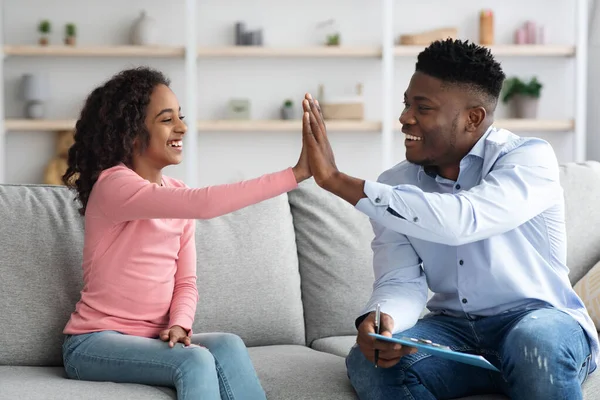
{"points": [[549, 348], [423, 376]]}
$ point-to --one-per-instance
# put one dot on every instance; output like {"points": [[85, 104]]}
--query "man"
{"points": [[476, 214]]}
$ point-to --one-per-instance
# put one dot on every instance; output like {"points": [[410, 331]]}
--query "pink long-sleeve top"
{"points": [[139, 255]]}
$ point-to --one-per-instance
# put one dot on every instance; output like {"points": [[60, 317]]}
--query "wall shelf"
{"points": [[387, 55], [39, 125], [96, 51], [290, 52], [525, 50], [266, 52], [536, 125], [530, 125], [523, 125], [285, 126]]}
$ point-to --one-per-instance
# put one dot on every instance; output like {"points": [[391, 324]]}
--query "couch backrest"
{"points": [[247, 273], [581, 183], [335, 257], [248, 277], [335, 260], [41, 240]]}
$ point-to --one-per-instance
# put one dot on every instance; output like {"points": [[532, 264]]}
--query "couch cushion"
{"points": [[581, 183], [248, 277], [50, 383], [335, 257], [286, 373], [40, 268], [299, 373], [338, 345]]}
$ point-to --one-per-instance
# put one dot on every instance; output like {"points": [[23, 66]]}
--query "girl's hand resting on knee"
{"points": [[175, 334]]}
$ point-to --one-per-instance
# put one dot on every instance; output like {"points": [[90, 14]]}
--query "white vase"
{"points": [[143, 32]]}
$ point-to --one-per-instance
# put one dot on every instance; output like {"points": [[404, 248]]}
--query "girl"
{"points": [[133, 322]]}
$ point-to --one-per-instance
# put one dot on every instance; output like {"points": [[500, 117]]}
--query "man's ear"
{"points": [[475, 118]]}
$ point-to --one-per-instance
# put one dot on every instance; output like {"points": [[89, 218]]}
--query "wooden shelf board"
{"points": [[273, 52], [284, 126], [536, 125], [523, 50], [35, 125], [96, 51], [266, 52], [530, 125]]}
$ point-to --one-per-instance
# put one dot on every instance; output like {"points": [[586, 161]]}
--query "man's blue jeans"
{"points": [[220, 370], [543, 354]]}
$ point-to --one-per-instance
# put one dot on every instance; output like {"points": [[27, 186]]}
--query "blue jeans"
{"points": [[222, 369], [543, 354]]}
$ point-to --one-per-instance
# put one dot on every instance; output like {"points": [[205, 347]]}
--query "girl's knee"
{"points": [[197, 358], [219, 342]]}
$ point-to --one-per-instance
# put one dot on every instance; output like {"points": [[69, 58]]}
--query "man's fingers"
{"points": [[318, 118], [305, 105], [314, 127], [307, 135], [321, 118], [187, 341], [387, 363]]}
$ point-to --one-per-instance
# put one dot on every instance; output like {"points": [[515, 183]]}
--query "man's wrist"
{"points": [[347, 187]]}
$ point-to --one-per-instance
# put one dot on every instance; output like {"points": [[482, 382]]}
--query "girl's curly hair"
{"points": [[111, 119]]}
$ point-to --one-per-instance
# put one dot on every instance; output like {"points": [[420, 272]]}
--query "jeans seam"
{"points": [[416, 358], [407, 392], [223, 379], [157, 363], [74, 369], [472, 326]]}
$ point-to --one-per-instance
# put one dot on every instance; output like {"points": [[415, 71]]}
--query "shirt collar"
{"points": [[478, 150]]}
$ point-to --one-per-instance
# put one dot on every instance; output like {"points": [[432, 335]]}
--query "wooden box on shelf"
{"points": [[425, 38], [348, 108]]}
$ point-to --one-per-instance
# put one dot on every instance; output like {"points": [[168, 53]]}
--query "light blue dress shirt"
{"points": [[492, 241]]}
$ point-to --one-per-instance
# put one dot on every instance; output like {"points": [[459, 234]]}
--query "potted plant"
{"points": [[523, 96], [70, 34], [44, 28], [333, 40], [287, 110]]}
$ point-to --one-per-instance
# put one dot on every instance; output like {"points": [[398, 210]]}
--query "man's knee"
{"points": [[544, 352], [360, 372], [542, 338], [370, 382]]}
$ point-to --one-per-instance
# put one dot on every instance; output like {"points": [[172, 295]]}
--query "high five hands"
{"points": [[321, 161], [316, 144]]}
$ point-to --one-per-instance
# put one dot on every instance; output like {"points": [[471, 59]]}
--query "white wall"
{"points": [[228, 156]]}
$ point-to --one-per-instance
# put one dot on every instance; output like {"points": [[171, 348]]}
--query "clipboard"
{"points": [[434, 349]]}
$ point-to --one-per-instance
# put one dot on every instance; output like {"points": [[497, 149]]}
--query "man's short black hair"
{"points": [[459, 62]]}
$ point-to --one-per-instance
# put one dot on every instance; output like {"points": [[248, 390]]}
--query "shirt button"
{"points": [[377, 200], [464, 301], [416, 219], [461, 262], [457, 187]]}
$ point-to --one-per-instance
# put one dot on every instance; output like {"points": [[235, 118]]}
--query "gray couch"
{"points": [[288, 275]]}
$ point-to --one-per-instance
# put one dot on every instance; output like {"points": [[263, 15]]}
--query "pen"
{"points": [[377, 325]]}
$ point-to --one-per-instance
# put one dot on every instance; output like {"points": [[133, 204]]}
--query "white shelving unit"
{"points": [[386, 53]]}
